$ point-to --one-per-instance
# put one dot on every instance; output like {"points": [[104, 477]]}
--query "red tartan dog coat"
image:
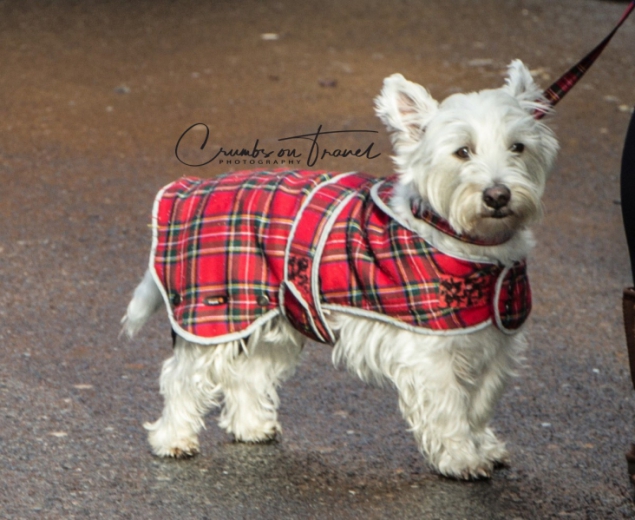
{"points": [[235, 251]]}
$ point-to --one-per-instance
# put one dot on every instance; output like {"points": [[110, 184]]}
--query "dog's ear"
{"points": [[405, 108], [521, 85]]}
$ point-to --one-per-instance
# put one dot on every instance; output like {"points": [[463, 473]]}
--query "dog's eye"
{"points": [[517, 147], [463, 153]]}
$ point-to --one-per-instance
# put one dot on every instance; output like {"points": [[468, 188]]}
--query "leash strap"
{"points": [[558, 90]]}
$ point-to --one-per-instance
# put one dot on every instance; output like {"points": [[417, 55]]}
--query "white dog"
{"points": [[470, 175]]}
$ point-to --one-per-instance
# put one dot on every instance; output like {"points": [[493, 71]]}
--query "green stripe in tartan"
{"points": [[172, 233], [318, 180], [169, 258], [327, 211], [235, 244], [263, 221], [258, 287], [188, 317], [353, 229], [193, 249], [416, 290]]}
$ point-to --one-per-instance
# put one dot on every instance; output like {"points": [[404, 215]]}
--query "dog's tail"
{"points": [[145, 302]]}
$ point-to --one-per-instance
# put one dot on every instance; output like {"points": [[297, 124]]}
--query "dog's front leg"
{"points": [[499, 358], [432, 398], [189, 392], [436, 405]]}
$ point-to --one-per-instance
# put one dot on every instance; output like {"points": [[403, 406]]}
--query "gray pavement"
{"points": [[94, 95]]}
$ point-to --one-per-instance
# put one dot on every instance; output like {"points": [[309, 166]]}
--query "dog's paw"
{"points": [[181, 452], [465, 467], [266, 433], [478, 472], [165, 445], [494, 450], [181, 449], [499, 457], [483, 471]]}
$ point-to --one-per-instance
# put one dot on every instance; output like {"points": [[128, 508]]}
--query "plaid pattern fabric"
{"points": [[220, 247], [302, 297], [444, 226], [373, 263], [558, 90]]}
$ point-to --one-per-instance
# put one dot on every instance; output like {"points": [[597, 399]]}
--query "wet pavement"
{"points": [[93, 97]]}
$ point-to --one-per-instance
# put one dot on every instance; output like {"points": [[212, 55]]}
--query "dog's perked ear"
{"points": [[520, 84], [405, 108]]}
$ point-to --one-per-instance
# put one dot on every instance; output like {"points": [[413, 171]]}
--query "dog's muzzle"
{"points": [[496, 198]]}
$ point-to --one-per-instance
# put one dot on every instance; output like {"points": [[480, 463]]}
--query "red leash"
{"points": [[557, 91]]}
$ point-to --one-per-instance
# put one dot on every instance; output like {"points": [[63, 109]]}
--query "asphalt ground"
{"points": [[93, 98]]}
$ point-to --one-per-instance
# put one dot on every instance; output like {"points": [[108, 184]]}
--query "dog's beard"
{"points": [[467, 213]]}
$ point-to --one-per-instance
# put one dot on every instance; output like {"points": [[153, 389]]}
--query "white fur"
{"points": [[448, 385]]}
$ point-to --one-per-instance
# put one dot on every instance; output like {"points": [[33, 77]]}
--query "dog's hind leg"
{"points": [[189, 390], [249, 384]]}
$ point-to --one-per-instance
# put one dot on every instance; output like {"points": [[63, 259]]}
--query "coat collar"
{"points": [[420, 211]]}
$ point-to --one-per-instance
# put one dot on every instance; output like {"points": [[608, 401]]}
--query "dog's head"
{"points": [[479, 160]]}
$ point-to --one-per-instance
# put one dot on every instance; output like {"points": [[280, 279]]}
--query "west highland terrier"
{"points": [[418, 279]]}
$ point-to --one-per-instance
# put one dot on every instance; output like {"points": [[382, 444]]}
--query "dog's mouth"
{"points": [[498, 213]]}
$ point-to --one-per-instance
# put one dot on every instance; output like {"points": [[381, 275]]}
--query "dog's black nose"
{"points": [[497, 196]]}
